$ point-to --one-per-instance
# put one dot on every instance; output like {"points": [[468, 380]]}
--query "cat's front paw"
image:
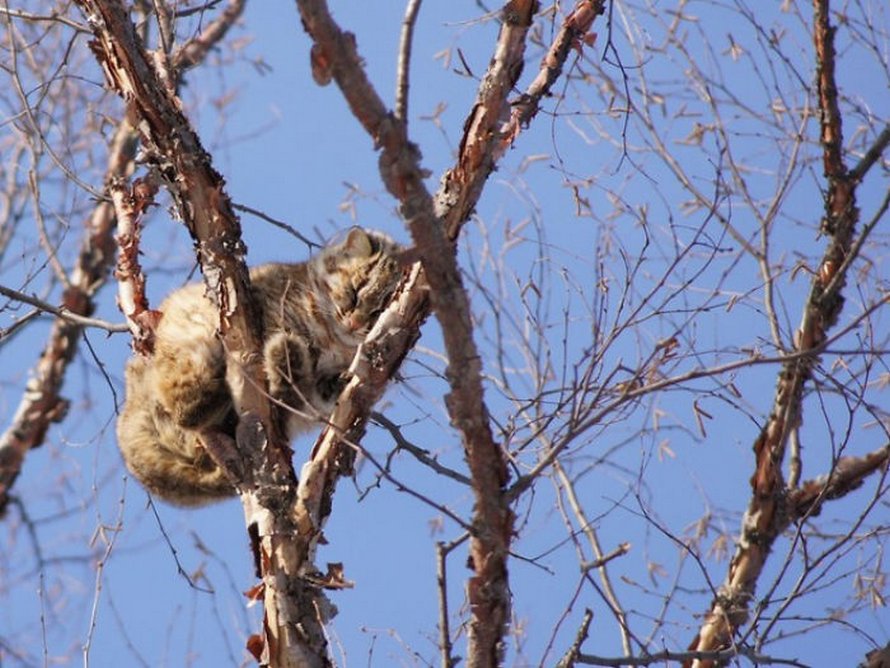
{"points": [[330, 387], [287, 362]]}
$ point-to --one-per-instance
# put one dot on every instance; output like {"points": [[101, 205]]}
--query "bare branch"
{"points": [[62, 312], [575, 29], [195, 50], [445, 646], [872, 155], [128, 206], [764, 519], [461, 189], [714, 657], [570, 658], [294, 634], [846, 475], [418, 453], [403, 69], [52, 18], [42, 404]]}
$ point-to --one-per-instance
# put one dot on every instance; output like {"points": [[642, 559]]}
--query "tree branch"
{"points": [[434, 224], [846, 475], [128, 207], [403, 69], [714, 657], [42, 403], [62, 312], [294, 614], [764, 518]]}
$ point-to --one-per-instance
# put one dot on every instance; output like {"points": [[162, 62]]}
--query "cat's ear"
{"points": [[358, 243]]}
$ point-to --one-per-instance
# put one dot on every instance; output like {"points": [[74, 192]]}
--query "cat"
{"points": [[315, 314]]}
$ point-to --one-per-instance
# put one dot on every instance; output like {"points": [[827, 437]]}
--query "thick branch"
{"points": [[293, 633], [334, 57], [575, 28], [42, 402], [765, 517], [847, 475], [194, 184]]}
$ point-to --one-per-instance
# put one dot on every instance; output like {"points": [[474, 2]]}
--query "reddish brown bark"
{"points": [[434, 224], [293, 624], [206, 212], [42, 403], [766, 516]]}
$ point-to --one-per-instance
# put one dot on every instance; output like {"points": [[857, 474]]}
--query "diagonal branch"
{"points": [[196, 49], [765, 517], [434, 224], [293, 633], [42, 403], [848, 474], [61, 312]]}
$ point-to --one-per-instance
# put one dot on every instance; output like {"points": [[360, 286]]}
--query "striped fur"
{"points": [[315, 314]]}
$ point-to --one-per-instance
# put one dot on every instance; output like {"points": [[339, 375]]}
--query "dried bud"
{"points": [[827, 271], [321, 66]]}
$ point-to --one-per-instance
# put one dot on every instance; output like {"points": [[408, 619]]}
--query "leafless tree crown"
{"points": [[635, 377]]}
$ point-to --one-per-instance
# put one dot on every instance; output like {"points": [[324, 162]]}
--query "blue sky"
{"points": [[292, 150]]}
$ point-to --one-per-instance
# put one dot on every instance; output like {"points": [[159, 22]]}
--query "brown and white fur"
{"points": [[314, 313]]}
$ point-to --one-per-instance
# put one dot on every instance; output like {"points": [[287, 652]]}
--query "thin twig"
{"points": [[62, 312], [714, 657], [445, 647], [52, 17], [872, 155], [196, 49], [404, 64], [569, 658], [601, 560], [419, 453], [277, 223]]}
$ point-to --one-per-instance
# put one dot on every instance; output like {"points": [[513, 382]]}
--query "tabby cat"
{"points": [[314, 313]]}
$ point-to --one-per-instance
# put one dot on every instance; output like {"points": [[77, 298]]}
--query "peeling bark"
{"points": [[434, 223], [846, 476], [290, 637], [285, 535], [129, 205], [768, 513], [42, 403]]}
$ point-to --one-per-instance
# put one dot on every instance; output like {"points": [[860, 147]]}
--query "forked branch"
{"points": [[765, 519], [434, 224], [293, 626]]}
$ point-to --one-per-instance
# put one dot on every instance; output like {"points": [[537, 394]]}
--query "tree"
{"points": [[655, 246]]}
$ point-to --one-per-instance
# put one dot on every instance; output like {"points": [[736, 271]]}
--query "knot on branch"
{"points": [[732, 605], [398, 163], [520, 12]]}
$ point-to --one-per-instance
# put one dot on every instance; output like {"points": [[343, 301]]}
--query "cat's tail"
{"points": [[169, 461]]}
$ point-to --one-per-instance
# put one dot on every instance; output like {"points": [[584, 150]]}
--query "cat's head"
{"points": [[360, 274]]}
